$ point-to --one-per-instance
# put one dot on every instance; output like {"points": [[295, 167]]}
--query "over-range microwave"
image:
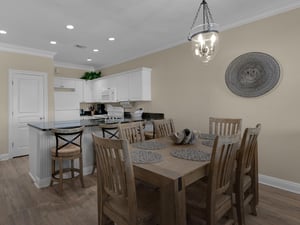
{"points": [[109, 95]]}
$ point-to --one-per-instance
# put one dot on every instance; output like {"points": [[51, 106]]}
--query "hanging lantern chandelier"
{"points": [[204, 35]]}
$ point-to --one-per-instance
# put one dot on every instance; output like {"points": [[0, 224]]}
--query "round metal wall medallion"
{"points": [[252, 74]]}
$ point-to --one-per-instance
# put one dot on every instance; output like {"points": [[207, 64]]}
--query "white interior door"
{"points": [[28, 104]]}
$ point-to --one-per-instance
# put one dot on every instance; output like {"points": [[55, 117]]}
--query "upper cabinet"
{"points": [[139, 85], [133, 85], [61, 82]]}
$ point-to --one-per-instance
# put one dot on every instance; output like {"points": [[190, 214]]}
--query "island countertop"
{"points": [[44, 126]]}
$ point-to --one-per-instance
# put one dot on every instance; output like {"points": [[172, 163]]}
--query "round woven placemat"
{"points": [[142, 156], [191, 154], [149, 145], [207, 136], [209, 143]]}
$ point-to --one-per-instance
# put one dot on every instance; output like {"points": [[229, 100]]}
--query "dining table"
{"points": [[172, 175]]}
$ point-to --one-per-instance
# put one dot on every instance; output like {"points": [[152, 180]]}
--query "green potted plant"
{"points": [[91, 75]]}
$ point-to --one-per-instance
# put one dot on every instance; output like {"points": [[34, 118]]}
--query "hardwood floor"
{"points": [[21, 203]]}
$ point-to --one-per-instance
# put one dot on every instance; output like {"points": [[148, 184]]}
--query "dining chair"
{"points": [[210, 199], [118, 198], [133, 132], [68, 147], [246, 190], [224, 126], [163, 128], [109, 130]]}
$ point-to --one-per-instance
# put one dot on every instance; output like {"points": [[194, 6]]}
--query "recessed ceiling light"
{"points": [[3, 32], [111, 39], [53, 42], [95, 50], [89, 60], [70, 27]]}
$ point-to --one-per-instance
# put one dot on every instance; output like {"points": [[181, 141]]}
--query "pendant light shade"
{"points": [[204, 34]]}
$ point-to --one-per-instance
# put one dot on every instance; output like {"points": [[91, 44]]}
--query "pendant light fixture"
{"points": [[204, 34]]}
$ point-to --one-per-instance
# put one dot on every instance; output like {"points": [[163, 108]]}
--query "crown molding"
{"points": [[24, 50], [73, 66]]}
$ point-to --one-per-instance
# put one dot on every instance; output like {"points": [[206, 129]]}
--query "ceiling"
{"points": [[140, 27]]}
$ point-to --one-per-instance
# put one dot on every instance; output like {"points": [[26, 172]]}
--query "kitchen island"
{"points": [[42, 140]]}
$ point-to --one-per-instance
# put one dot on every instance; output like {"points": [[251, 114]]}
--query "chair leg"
{"points": [[72, 167], [240, 208], [53, 171], [94, 167], [253, 202], [60, 175], [253, 207], [81, 170]]}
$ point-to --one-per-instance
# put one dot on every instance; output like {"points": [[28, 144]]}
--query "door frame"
{"points": [[11, 73]]}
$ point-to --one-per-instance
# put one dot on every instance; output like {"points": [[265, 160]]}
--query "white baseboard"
{"points": [[4, 157], [280, 183], [45, 182], [40, 183]]}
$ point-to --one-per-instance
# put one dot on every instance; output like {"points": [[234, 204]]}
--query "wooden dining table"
{"points": [[172, 175]]}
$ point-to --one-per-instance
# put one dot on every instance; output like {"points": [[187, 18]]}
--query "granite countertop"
{"points": [[77, 123], [92, 122]]}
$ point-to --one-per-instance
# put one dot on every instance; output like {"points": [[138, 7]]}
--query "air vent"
{"points": [[80, 46]]}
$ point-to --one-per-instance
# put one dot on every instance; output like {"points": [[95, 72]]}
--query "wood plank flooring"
{"points": [[21, 203]]}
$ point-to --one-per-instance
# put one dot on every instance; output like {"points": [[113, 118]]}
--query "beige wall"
{"points": [[68, 72], [189, 91], [20, 62]]}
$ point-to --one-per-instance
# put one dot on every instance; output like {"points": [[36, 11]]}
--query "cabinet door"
{"points": [[122, 87], [64, 82], [88, 91], [140, 85], [80, 89]]}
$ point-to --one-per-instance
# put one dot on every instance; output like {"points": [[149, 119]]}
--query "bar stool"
{"points": [[111, 129], [68, 147]]}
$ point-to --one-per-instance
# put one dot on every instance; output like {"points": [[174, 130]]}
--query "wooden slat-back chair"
{"points": [[117, 200], [224, 126], [246, 174], [68, 147], [133, 132], [211, 199], [163, 128]]}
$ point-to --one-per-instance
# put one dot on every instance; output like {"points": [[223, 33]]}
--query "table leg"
{"points": [[172, 206]]}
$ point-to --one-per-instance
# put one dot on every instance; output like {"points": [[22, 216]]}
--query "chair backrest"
{"points": [[247, 151], [163, 128], [221, 170], [224, 126], [133, 132], [115, 177], [68, 137]]}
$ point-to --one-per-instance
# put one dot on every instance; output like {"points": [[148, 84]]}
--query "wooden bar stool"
{"points": [[68, 147]]}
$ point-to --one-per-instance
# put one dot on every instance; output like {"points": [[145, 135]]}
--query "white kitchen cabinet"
{"points": [[99, 84], [80, 89], [133, 85], [88, 91], [139, 85], [122, 83], [61, 82]]}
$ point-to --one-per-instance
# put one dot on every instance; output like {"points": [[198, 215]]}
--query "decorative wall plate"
{"points": [[252, 74]]}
